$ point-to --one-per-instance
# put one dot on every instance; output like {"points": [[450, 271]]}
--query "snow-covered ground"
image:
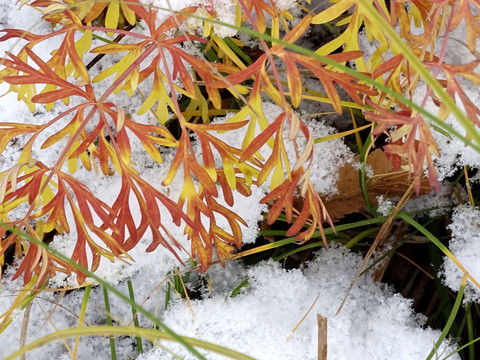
{"points": [[262, 319]]}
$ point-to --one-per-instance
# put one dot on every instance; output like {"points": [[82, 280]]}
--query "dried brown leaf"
{"points": [[386, 181]]}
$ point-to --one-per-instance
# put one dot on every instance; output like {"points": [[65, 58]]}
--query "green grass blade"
{"points": [[81, 318], [135, 315], [470, 343], [470, 330], [237, 50], [362, 235], [236, 291], [451, 318], [109, 323], [168, 295], [286, 254], [362, 174]]}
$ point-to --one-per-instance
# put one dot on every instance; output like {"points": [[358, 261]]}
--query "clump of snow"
{"points": [[250, 210], [385, 205], [225, 12], [454, 153], [285, 4], [374, 323], [437, 202], [329, 156], [464, 245]]}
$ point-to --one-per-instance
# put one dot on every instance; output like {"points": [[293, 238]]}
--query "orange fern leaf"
{"points": [[404, 141]]}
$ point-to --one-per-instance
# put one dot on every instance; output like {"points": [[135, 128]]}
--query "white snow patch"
{"points": [[374, 323], [329, 156], [464, 245]]}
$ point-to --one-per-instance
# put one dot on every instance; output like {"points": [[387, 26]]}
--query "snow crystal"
{"points": [[436, 203], [464, 245], [285, 4], [385, 205]]}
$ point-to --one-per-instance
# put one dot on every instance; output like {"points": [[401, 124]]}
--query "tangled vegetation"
{"points": [[189, 68]]}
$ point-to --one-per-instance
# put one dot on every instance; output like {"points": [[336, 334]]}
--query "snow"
{"points": [[464, 245], [437, 203], [385, 205], [375, 323], [431, 205], [454, 154], [334, 154]]}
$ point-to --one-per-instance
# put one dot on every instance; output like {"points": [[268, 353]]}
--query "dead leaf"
{"points": [[385, 181]]}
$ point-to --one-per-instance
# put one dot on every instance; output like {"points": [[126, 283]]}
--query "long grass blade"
{"points": [[439, 244], [135, 315], [150, 334], [113, 352], [451, 319], [81, 318]]}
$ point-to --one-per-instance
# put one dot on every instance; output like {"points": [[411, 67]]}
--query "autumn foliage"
{"points": [[157, 60]]}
